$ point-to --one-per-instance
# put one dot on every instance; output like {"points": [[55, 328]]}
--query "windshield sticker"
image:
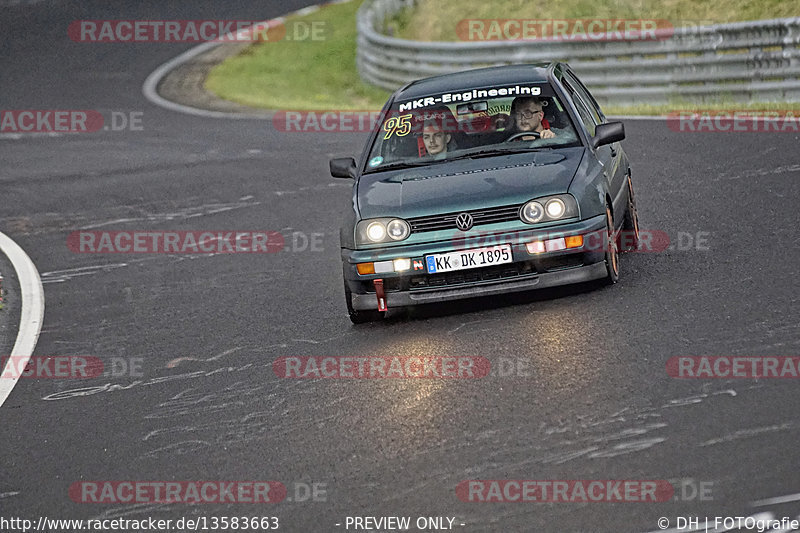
{"points": [[375, 161], [497, 109], [466, 96], [397, 125]]}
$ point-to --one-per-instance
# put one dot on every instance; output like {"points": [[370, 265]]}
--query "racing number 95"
{"points": [[397, 125], [243, 523]]}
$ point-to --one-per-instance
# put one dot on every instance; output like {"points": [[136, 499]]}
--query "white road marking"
{"points": [[60, 276], [32, 313], [18, 136], [14, 3], [777, 501]]}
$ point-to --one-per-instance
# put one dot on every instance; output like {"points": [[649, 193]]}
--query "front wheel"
{"points": [[629, 237], [360, 317], [612, 253]]}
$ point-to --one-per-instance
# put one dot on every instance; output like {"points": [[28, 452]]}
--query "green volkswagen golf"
{"points": [[485, 182]]}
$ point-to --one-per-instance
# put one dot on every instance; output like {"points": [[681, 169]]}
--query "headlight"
{"points": [[555, 208], [549, 209], [532, 212], [378, 230], [398, 229]]}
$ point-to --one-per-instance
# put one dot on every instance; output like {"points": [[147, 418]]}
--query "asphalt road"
{"points": [[589, 397]]}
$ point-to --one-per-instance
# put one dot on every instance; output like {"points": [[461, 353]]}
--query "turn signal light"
{"points": [[366, 268], [575, 241]]}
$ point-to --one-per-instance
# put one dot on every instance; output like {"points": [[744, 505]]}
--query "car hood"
{"points": [[467, 184]]}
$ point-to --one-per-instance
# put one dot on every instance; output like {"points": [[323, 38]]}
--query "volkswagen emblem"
{"points": [[464, 222]]}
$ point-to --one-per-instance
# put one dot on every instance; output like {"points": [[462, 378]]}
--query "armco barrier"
{"points": [[746, 61]]}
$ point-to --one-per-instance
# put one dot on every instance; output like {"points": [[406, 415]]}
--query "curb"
{"points": [[179, 84], [31, 308]]}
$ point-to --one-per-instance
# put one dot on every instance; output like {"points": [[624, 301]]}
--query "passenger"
{"points": [[435, 139], [438, 127]]}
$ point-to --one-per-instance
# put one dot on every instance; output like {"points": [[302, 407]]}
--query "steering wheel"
{"points": [[522, 134]]}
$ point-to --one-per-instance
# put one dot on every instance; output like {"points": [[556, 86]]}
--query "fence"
{"points": [[745, 61]]}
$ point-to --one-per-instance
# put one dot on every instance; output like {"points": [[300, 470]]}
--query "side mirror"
{"points": [[343, 167], [608, 133]]}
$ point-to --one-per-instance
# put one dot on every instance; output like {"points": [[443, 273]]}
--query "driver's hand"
{"points": [[547, 134]]}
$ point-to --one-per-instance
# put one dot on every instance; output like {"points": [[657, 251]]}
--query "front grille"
{"points": [[474, 275], [490, 215]]}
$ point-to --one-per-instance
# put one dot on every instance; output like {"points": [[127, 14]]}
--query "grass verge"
{"points": [[301, 74]]}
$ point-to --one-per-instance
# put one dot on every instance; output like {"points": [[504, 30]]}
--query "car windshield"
{"points": [[472, 123]]}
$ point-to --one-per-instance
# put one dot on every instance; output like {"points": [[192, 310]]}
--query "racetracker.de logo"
{"points": [[565, 491], [654, 241], [192, 31], [328, 121], [189, 492], [732, 121], [591, 29], [377, 367], [53, 367], [727, 367], [50, 121], [175, 242]]}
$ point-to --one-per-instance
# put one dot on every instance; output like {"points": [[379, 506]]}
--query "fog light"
{"points": [[554, 245], [366, 268], [535, 247], [575, 241], [382, 267], [401, 265]]}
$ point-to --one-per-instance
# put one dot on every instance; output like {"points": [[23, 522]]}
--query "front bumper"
{"points": [[525, 272], [363, 302]]}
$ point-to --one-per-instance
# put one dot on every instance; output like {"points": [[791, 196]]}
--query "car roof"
{"points": [[473, 79]]}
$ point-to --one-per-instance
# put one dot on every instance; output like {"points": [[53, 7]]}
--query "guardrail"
{"points": [[746, 61]]}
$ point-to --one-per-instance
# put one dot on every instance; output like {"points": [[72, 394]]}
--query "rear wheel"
{"points": [[612, 253], [360, 317], [629, 237]]}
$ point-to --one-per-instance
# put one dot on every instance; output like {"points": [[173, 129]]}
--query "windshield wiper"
{"points": [[471, 155], [405, 164], [496, 151]]}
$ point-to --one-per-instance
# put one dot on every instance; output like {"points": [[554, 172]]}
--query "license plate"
{"points": [[465, 259]]}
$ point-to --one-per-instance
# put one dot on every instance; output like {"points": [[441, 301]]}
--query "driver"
{"points": [[527, 114]]}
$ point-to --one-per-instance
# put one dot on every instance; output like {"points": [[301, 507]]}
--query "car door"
{"points": [[609, 156]]}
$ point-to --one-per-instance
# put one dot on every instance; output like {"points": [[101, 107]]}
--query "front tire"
{"points": [[629, 237], [612, 253], [360, 317]]}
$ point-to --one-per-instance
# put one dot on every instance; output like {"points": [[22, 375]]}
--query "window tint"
{"points": [[591, 103], [586, 117], [589, 119]]}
